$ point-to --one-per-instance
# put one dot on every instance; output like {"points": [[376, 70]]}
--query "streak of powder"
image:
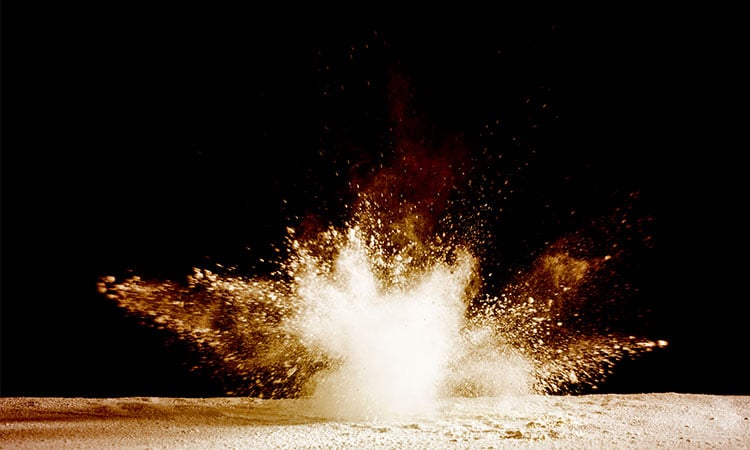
{"points": [[391, 311]]}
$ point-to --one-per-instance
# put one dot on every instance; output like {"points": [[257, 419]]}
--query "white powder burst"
{"points": [[391, 345], [369, 330]]}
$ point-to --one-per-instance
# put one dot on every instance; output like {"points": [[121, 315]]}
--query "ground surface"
{"points": [[664, 420]]}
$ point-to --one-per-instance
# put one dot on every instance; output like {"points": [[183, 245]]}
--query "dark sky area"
{"points": [[157, 139]]}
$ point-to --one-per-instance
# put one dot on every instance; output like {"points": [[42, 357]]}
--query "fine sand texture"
{"points": [[663, 420]]}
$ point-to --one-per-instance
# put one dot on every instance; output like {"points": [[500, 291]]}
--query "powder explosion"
{"points": [[372, 321], [388, 313]]}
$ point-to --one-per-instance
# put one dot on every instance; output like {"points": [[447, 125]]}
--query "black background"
{"points": [[158, 138]]}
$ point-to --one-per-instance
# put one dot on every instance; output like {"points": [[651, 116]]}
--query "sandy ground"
{"points": [[641, 421]]}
